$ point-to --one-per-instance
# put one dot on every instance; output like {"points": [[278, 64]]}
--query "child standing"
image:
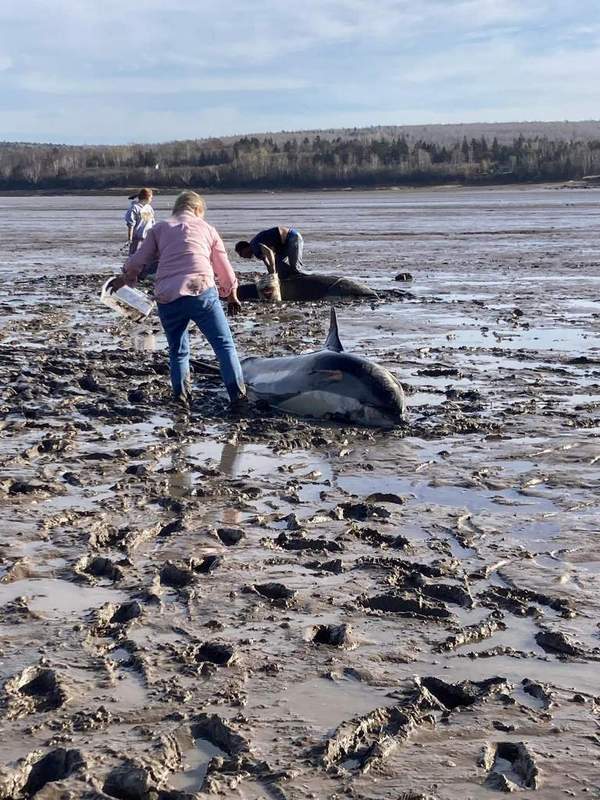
{"points": [[139, 218]]}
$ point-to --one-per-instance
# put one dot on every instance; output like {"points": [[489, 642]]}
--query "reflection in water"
{"points": [[180, 484], [144, 342], [231, 516], [180, 481], [230, 456]]}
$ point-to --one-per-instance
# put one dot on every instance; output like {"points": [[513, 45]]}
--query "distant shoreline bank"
{"points": [[173, 191], [354, 160]]}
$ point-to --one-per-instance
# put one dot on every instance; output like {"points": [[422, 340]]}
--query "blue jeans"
{"points": [[289, 259], [206, 311]]}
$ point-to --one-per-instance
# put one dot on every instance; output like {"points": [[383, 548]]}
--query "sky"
{"points": [[109, 72]]}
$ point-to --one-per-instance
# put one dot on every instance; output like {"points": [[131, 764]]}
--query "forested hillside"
{"points": [[386, 156]]}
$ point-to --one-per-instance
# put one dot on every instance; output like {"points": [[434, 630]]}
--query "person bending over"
{"points": [[280, 249], [190, 255]]}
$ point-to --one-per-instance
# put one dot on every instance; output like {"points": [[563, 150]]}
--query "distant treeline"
{"points": [[326, 159]]}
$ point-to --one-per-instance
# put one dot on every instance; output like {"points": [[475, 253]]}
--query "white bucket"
{"points": [[268, 288], [127, 302]]}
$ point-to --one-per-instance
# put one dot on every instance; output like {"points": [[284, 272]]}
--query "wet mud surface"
{"points": [[265, 607]]}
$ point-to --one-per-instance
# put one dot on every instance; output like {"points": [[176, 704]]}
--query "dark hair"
{"points": [[241, 246]]}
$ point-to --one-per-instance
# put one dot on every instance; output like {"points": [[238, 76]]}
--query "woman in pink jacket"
{"points": [[190, 255]]}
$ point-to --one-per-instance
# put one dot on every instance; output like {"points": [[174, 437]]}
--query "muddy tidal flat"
{"points": [[265, 607]]}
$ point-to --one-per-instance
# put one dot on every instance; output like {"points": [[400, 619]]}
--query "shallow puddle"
{"points": [[196, 760], [55, 598], [326, 703]]}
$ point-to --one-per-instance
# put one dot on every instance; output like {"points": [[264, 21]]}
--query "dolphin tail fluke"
{"points": [[333, 338]]}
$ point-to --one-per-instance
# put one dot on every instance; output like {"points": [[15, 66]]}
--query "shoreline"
{"points": [[438, 187]]}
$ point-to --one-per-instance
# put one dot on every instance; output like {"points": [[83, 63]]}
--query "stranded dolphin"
{"points": [[328, 384], [312, 286]]}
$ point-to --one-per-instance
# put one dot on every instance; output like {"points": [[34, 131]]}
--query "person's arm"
{"points": [[130, 221], [147, 254], [225, 275], [233, 303], [267, 256]]}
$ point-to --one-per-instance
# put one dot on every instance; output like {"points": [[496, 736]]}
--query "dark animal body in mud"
{"points": [[328, 384], [312, 286]]}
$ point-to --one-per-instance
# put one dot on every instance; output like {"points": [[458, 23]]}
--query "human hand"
{"points": [[234, 306], [116, 283]]}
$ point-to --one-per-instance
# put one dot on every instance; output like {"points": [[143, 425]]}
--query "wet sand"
{"points": [[264, 607]]}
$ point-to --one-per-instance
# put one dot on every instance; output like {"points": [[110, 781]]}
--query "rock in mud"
{"points": [[287, 542], [445, 592], [385, 497], [334, 636], [109, 537], [439, 569], [18, 570], [206, 565], [36, 689], [230, 536], [408, 604], [292, 522], [175, 526], [14, 486], [510, 766], [359, 511], [84, 721], [558, 644], [540, 691], [366, 741], [440, 371], [176, 576], [130, 782], [110, 619], [275, 592], [377, 539], [519, 601], [126, 612], [219, 733], [36, 771], [474, 633], [336, 567], [100, 567], [403, 277], [463, 395], [223, 655], [464, 693], [499, 650]]}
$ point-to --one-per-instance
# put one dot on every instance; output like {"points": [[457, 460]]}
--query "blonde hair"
{"points": [[188, 201]]}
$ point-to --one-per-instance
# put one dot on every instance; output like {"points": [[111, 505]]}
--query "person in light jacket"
{"points": [[139, 218], [190, 255]]}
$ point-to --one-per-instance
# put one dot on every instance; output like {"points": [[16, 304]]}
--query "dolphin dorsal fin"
{"points": [[333, 339]]}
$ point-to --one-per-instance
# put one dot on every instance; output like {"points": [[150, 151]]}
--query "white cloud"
{"points": [[319, 63], [65, 85], [97, 125]]}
